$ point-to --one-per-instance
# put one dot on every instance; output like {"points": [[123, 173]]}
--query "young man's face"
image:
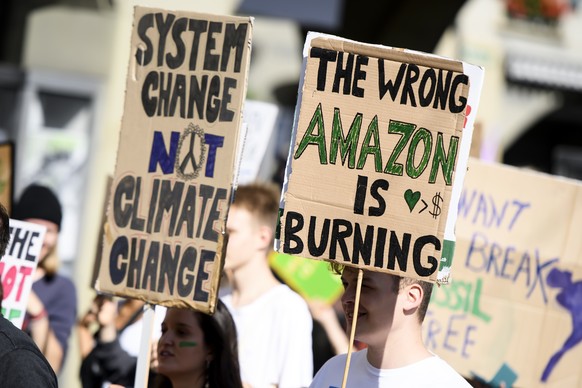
{"points": [[378, 304], [243, 238]]}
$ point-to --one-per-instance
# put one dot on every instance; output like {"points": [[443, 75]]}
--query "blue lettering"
{"points": [[213, 142], [523, 267], [539, 278], [478, 245], [495, 253], [468, 342], [521, 206], [506, 260], [491, 257], [465, 204], [458, 337], [433, 329], [166, 158], [483, 209], [159, 154]]}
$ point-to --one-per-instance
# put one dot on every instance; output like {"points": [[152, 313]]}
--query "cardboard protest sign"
{"points": [[17, 268], [175, 166], [378, 154], [514, 307], [258, 154]]}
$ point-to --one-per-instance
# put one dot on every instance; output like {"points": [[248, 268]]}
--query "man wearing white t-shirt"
{"points": [[273, 322], [389, 321]]}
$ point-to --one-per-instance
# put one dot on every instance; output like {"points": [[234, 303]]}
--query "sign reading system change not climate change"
{"points": [[175, 165]]}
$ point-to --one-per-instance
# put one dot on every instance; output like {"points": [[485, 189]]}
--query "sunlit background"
{"points": [[63, 65]]}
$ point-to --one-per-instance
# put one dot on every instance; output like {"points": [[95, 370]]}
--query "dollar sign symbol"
{"points": [[436, 210]]}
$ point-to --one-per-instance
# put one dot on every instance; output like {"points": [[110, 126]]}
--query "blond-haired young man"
{"points": [[273, 322]]}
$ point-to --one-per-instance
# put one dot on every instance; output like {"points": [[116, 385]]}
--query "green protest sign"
{"points": [[310, 278]]}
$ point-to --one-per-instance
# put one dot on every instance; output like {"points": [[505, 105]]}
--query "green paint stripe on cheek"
{"points": [[187, 344]]}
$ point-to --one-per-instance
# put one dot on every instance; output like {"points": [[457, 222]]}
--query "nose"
{"points": [[166, 339], [349, 295]]}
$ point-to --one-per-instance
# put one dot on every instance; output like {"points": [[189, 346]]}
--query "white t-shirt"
{"points": [[274, 339], [431, 372]]}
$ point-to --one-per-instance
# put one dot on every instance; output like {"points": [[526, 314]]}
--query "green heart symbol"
{"points": [[411, 198]]}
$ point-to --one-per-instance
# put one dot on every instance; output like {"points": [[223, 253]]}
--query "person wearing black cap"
{"points": [[52, 304], [21, 363]]}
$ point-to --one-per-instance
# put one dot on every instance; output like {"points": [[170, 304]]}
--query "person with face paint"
{"points": [[198, 350], [390, 315], [52, 305]]}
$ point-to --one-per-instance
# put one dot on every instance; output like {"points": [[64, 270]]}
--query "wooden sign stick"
{"points": [[354, 322], [143, 359]]}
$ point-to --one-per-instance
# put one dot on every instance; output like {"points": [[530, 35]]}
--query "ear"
{"points": [[413, 295], [265, 236], [209, 357]]}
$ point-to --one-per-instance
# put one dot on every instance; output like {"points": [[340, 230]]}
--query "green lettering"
{"points": [[347, 144], [447, 162], [426, 137], [367, 149], [404, 129], [476, 311], [310, 138]]}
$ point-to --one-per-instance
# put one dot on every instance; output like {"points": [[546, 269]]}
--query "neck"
{"points": [[188, 381], [39, 273], [252, 280], [403, 347]]}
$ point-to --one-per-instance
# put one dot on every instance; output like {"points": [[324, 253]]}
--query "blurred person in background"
{"points": [[52, 304], [273, 322], [329, 336], [21, 362], [197, 350], [109, 340]]}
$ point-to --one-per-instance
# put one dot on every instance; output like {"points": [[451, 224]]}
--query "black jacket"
{"points": [[21, 362]]}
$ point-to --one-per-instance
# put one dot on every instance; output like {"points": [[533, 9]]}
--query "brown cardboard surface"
{"points": [[175, 166], [515, 227], [377, 189]]}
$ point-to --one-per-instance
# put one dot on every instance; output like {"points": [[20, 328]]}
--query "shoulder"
{"points": [[11, 337], [444, 373], [330, 374], [64, 282], [339, 361], [330, 370], [18, 350], [63, 287], [56, 284]]}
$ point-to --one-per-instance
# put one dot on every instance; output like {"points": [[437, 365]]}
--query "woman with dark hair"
{"points": [[197, 350]]}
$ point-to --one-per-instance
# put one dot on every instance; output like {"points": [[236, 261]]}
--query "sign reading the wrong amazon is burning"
{"points": [[378, 155]]}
